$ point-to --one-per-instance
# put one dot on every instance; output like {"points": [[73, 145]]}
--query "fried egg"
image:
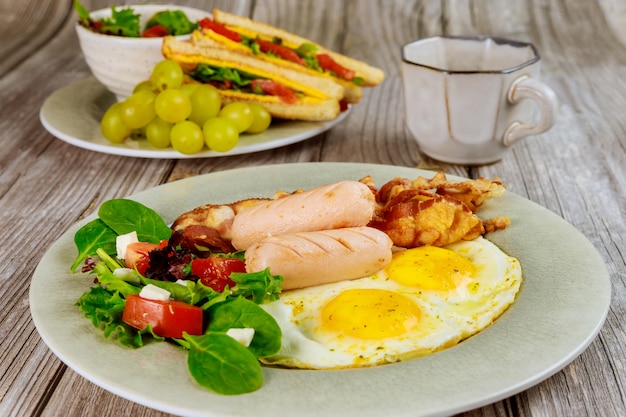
{"points": [[425, 300]]}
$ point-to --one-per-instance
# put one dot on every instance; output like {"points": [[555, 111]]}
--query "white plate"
{"points": [[73, 115], [561, 307]]}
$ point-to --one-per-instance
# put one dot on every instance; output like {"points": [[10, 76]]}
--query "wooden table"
{"points": [[576, 170]]}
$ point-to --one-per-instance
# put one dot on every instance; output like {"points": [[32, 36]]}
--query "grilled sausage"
{"points": [[312, 258], [333, 206]]}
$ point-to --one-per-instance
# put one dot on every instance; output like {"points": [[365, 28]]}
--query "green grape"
{"points": [[112, 126], [187, 137], [238, 113], [220, 134], [188, 89], [138, 109], [205, 103], [158, 133], [261, 119], [172, 105], [144, 85], [166, 74]]}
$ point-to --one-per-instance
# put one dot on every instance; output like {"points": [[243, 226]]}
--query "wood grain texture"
{"points": [[577, 169]]}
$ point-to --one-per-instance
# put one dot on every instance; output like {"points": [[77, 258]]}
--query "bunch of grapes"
{"points": [[187, 117]]}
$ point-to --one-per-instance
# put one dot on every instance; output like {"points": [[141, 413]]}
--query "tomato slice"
{"points": [[168, 318], [280, 50], [137, 255], [273, 88], [156, 31], [220, 29], [331, 65], [215, 272]]}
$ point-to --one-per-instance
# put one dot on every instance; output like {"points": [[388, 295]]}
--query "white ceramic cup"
{"points": [[469, 98]]}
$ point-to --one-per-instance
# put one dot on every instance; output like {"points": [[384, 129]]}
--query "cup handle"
{"points": [[523, 88]]}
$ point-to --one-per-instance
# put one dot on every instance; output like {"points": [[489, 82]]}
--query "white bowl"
{"points": [[120, 63]]}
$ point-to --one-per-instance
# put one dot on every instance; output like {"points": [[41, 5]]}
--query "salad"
{"points": [[151, 286], [125, 22]]}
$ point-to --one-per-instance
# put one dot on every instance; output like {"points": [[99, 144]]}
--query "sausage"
{"points": [[333, 206], [312, 258]]}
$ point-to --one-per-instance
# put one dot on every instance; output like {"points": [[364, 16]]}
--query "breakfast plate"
{"points": [[73, 115], [565, 286]]}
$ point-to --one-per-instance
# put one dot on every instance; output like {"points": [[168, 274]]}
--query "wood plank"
{"points": [[575, 170], [25, 26]]}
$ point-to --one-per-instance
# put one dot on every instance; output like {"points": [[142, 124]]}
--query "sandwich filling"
{"points": [[305, 54]]}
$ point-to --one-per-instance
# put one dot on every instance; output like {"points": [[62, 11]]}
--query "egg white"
{"points": [[445, 316]]}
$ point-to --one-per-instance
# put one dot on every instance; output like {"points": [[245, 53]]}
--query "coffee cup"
{"points": [[469, 98]]}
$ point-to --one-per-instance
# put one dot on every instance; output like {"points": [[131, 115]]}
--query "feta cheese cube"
{"points": [[122, 241], [242, 335], [152, 292]]}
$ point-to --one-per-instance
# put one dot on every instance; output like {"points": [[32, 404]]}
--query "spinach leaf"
{"points": [[95, 234], [220, 363], [242, 313], [125, 216]]}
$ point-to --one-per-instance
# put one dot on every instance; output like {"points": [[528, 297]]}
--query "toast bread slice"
{"points": [[372, 76]]}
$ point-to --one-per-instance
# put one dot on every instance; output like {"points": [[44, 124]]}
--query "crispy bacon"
{"points": [[417, 218], [434, 211]]}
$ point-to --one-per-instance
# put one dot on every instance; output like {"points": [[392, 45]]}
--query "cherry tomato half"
{"points": [[137, 255], [168, 318], [215, 272], [156, 31]]}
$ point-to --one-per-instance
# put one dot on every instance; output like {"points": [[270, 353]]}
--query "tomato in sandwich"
{"points": [[331, 65], [220, 29], [279, 50], [272, 88]]}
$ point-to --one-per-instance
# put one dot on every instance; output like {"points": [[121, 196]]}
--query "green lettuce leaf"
{"points": [[123, 22], [175, 21], [206, 73]]}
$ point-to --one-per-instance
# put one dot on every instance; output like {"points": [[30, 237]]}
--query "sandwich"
{"points": [[271, 44], [286, 93]]}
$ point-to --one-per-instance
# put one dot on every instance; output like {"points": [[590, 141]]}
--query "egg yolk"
{"points": [[370, 314], [430, 267]]}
